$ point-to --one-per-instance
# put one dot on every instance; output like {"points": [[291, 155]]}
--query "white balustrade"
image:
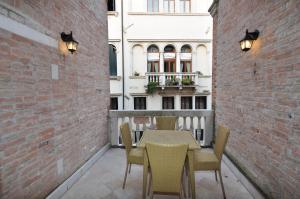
{"points": [[199, 122]]}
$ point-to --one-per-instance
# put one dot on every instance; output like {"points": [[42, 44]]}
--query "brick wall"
{"points": [[49, 128], [258, 92]]}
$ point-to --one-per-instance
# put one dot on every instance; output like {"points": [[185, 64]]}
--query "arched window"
{"points": [[186, 49], [202, 60], [138, 59], [112, 60], [153, 49], [169, 61], [153, 62], [169, 49], [186, 59]]}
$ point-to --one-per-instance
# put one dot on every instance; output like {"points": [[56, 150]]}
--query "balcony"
{"points": [[179, 80], [111, 166]]}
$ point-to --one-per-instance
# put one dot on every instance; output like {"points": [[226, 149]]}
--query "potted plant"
{"points": [[151, 87], [187, 81], [136, 74]]}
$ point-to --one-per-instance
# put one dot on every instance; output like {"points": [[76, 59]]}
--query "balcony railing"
{"points": [[199, 122], [172, 79]]}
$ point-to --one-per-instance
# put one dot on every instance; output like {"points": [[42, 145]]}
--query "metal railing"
{"points": [[199, 122]]}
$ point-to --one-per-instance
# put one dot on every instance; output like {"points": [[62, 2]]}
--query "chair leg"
{"points": [[224, 196], [151, 195], [183, 185], [125, 176], [129, 167], [149, 185], [216, 175]]}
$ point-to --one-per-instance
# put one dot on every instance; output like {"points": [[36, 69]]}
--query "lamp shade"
{"points": [[70, 42], [247, 42]]}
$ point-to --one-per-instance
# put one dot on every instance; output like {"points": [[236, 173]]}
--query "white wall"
{"points": [[142, 29]]}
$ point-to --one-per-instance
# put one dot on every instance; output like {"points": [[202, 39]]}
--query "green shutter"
{"points": [[112, 61]]}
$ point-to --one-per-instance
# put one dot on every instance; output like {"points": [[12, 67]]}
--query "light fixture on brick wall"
{"points": [[248, 40], [70, 42]]}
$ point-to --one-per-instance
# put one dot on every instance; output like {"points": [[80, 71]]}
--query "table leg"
{"points": [[145, 174], [191, 172]]}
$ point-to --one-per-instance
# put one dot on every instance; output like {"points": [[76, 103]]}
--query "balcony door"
{"points": [[186, 67], [153, 67], [170, 67]]}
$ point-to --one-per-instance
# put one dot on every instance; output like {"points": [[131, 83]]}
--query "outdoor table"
{"points": [[169, 137]]}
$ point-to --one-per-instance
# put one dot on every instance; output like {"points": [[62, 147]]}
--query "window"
{"points": [[112, 60], [153, 5], [185, 6], [185, 66], [169, 60], [186, 102], [169, 49], [153, 62], [200, 102], [169, 5], [186, 49], [140, 103], [111, 5], [168, 103], [152, 49], [114, 103]]}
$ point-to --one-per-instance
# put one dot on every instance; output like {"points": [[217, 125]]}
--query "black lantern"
{"points": [[248, 40], [70, 42]]}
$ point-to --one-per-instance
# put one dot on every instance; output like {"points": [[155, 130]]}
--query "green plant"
{"points": [[172, 82], [151, 87], [187, 81]]}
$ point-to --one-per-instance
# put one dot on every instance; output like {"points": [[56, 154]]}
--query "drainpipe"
{"points": [[123, 72]]}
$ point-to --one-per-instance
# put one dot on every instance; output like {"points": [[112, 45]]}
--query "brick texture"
{"points": [[258, 92], [43, 121]]}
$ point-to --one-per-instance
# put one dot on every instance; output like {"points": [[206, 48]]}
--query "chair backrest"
{"points": [[165, 123], [166, 163], [221, 140], [126, 137]]}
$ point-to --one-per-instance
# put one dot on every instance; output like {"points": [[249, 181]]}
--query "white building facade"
{"points": [[160, 54]]}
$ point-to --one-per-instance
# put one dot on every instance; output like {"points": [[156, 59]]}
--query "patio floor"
{"points": [[104, 180]]}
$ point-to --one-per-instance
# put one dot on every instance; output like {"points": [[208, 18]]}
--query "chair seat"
{"points": [[136, 156], [205, 160]]}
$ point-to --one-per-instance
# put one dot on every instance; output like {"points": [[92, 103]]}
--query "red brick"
{"points": [[38, 113], [264, 82]]}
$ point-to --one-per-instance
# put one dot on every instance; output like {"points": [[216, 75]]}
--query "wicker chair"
{"points": [[166, 164], [166, 123], [206, 161], [133, 155]]}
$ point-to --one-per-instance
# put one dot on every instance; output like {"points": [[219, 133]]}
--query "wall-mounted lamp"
{"points": [[70, 42], [248, 40]]}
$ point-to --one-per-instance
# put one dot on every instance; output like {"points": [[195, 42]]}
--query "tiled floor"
{"points": [[104, 180]]}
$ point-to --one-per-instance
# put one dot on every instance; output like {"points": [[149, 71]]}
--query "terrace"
{"points": [[58, 138]]}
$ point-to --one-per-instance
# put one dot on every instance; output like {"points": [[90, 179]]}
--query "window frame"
{"points": [[173, 103], [111, 71], [181, 102], [113, 5], [169, 11], [117, 103], [205, 102], [136, 107], [184, 4], [152, 2], [184, 63]]}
